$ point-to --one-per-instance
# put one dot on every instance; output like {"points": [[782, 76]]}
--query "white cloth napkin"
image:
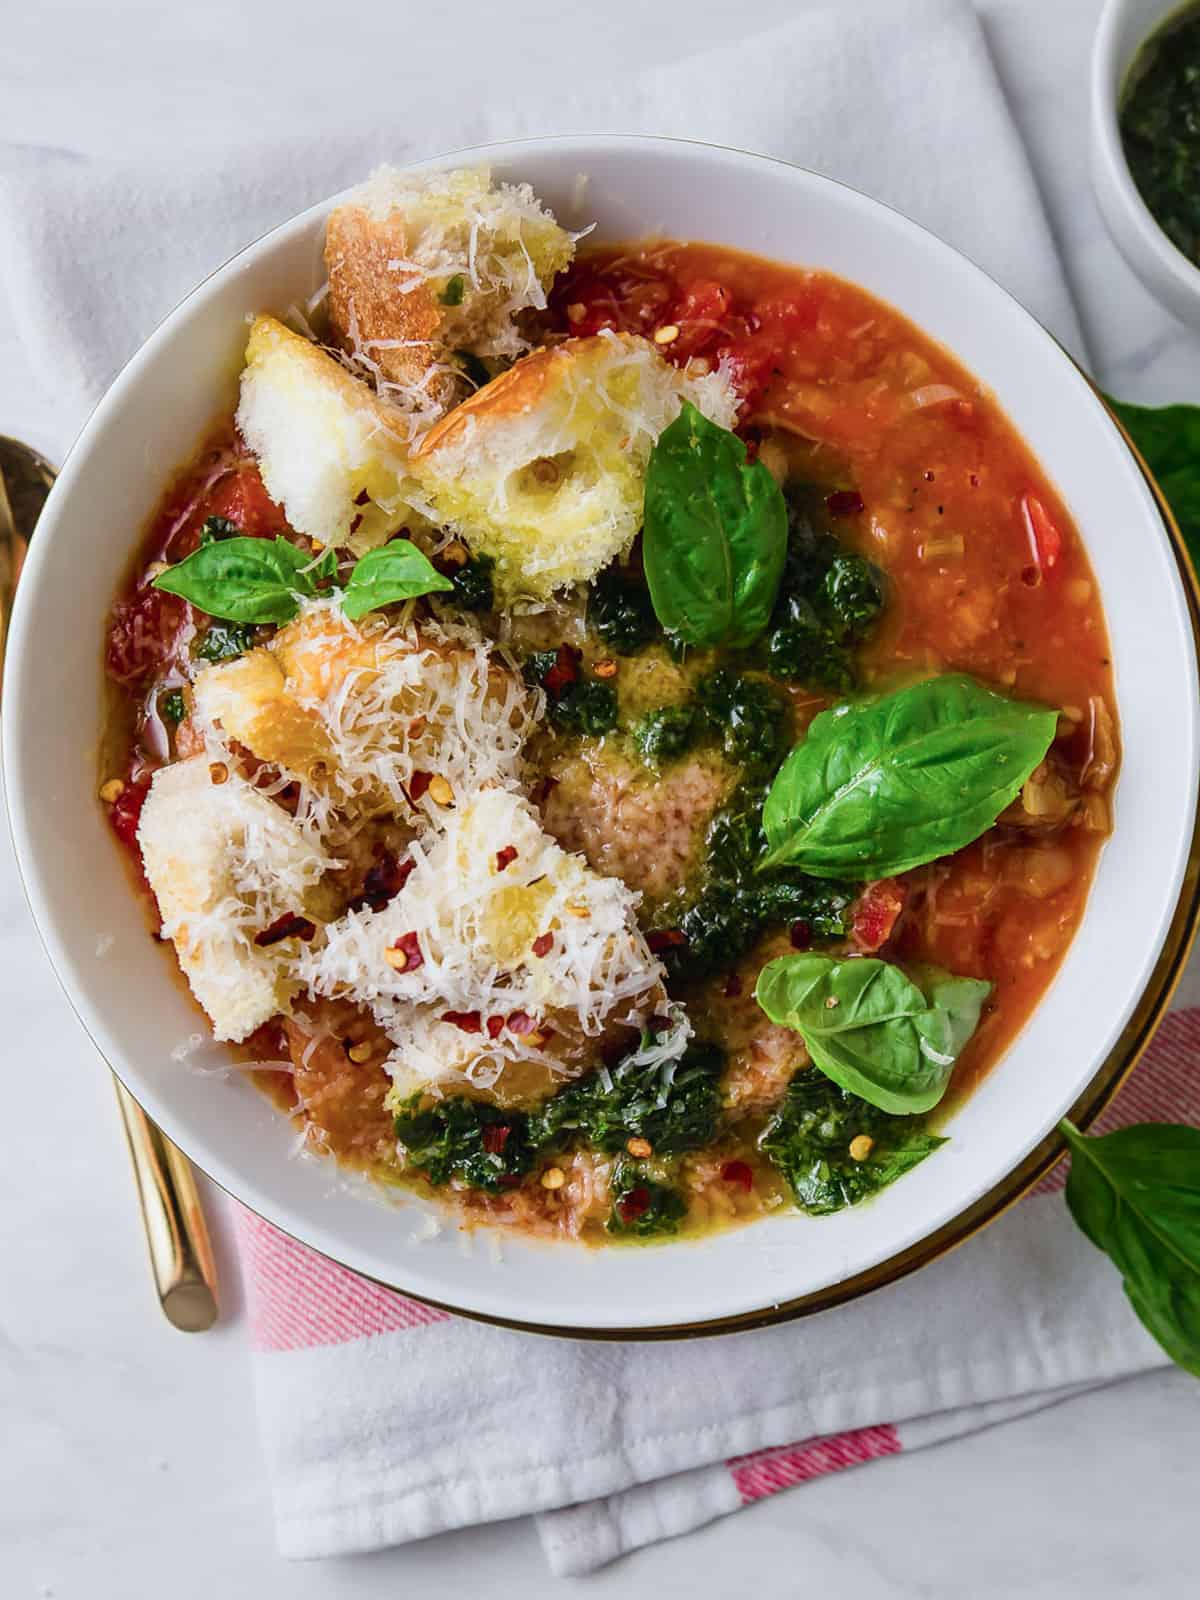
{"points": [[384, 1421]]}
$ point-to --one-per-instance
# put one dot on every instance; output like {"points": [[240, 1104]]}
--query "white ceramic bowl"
{"points": [[1088, 1027], [1124, 28]]}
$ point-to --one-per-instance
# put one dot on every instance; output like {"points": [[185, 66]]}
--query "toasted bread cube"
{"points": [[544, 468], [423, 265], [476, 967], [329, 450], [226, 863], [357, 710]]}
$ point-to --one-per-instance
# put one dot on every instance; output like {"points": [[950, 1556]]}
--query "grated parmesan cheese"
{"points": [[354, 712], [479, 928]]}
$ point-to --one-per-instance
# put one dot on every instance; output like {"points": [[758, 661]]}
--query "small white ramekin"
{"points": [[1125, 25]]}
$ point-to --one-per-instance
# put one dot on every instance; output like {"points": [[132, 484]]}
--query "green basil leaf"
{"points": [[871, 1028], [1169, 440], [395, 571], [243, 580], [1136, 1194], [885, 785], [715, 534]]}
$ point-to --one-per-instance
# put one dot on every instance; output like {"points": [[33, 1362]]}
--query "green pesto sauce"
{"points": [[1160, 129]]}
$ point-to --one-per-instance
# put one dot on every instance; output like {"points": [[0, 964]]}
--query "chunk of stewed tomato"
{"points": [[876, 913], [242, 498], [142, 633], [126, 811]]}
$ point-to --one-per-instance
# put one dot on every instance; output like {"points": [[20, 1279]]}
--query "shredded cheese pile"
{"points": [[373, 718], [500, 239], [497, 923]]}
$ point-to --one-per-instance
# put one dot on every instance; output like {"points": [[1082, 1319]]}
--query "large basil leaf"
{"points": [[715, 534], [246, 580], [887, 784], [810, 1137], [873, 1029], [395, 571], [1169, 440], [1136, 1194]]}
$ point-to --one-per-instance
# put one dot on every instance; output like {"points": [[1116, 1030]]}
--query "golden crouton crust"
{"points": [[520, 389], [365, 292]]}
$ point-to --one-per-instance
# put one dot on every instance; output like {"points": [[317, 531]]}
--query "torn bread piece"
{"points": [[229, 868], [544, 468], [424, 265], [502, 954], [329, 450], [374, 717]]}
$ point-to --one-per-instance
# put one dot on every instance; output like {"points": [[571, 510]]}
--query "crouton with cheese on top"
{"points": [[372, 718], [501, 948], [422, 266], [237, 882], [329, 450], [544, 468]]}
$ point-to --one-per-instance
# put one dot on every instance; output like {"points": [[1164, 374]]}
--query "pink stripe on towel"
{"points": [[768, 1471]]}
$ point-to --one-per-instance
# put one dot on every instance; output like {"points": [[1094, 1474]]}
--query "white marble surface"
{"points": [[129, 1459]]}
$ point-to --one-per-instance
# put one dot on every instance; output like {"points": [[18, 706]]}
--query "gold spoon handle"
{"points": [[180, 1251]]}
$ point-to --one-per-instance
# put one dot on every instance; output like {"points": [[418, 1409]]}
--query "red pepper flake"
{"points": [[495, 1027], [382, 882], [520, 1022], [844, 503], [800, 934], [565, 670], [466, 1021], [635, 1204], [361, 498], [495, 1138], [410, 948], [418, 784], [288, 926], [542, 944], [506, 857], [354, 526], [665, 939], [738, 1174], [733, 985]]}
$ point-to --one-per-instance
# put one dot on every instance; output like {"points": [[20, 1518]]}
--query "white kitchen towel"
{"points": [[382, 1419]]}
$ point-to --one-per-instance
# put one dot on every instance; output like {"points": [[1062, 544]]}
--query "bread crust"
{"points": [[519, 390], [365, 295]]}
